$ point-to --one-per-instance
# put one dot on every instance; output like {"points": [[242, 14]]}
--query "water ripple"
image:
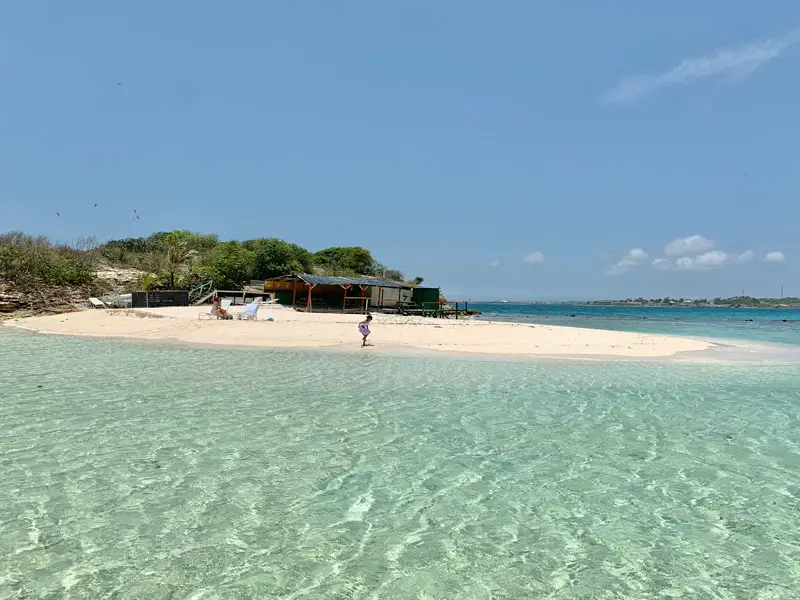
{"points": [[134, 471]]}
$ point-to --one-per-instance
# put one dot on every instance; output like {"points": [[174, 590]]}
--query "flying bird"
{"points": [[95, 204], [58, 214]]}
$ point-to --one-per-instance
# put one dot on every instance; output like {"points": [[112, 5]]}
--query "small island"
{"points": [[732, 302], [38, 276]]}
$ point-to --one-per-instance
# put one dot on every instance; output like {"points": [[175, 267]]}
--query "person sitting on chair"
{"points": [[216, 309]]}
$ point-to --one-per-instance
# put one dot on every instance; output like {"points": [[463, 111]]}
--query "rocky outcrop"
{"points": [[11, 301], [23, 296], [119, 277], [41, 300]]}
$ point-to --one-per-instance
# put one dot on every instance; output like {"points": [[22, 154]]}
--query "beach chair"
{"points": [[97, 303], [249, 313], [396, 319], [210, 314]]}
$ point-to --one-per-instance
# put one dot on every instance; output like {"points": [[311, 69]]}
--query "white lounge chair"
{"points": [[210, 314], [97, 303], [250, 312], [396, 319]]}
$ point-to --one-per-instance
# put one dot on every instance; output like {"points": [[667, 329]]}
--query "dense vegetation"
{"points": [[182, 259], [28, 262], [176, 260]]}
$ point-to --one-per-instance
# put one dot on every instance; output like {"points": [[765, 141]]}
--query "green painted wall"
{"points": [[426, 297]]}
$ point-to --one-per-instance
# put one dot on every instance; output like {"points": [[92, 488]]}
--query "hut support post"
{"points": [[310, 288], [344, 300], [363, 295], [294, 293]]}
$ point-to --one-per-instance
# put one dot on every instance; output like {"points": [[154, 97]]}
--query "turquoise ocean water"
{"points": [[764, 325], [132, 471]]}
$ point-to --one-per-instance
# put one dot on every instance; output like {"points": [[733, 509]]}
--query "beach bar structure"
{"points": [[341, 294]]}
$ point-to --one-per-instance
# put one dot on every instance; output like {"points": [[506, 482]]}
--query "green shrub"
{"points": [[346, 261], [29, 261], [274, 257], [230, 265], [178, 259]]}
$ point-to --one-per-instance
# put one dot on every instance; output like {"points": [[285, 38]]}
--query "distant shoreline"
{"points": [[630, 304]]}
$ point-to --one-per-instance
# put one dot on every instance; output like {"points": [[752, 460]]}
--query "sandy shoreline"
{"points": [[291, 329]]}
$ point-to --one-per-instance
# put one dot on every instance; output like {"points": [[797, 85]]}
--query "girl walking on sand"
{"points": [[363, 329]]}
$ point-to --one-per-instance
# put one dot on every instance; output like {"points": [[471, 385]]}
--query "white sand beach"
{"points": [[292, 329]]}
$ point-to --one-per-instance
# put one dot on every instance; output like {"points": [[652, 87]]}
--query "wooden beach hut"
{"points": [[339, 294]]}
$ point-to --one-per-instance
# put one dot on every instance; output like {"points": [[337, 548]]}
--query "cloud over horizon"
{"points": [[633, 258], [698, 253], [736, 62], [712, 260], [688, 246], [534, 258], [691, 253], [774, 257]]}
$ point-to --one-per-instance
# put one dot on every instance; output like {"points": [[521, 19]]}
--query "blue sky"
{"points": [[519, 150]]}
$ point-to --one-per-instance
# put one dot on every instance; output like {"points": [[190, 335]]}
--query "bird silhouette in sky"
{"points": [[95, 204], [58, 214]]}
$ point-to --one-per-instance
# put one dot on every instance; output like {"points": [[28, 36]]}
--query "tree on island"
{"points": [[179, 256], [177, 259]]}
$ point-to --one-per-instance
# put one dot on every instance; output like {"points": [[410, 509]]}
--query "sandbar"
{"points": [[293, 329]]}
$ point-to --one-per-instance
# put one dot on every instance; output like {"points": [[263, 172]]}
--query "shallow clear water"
{"points": [[781, 326], [135, 471]]}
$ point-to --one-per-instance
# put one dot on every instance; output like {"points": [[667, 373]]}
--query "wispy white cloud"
{"points": [[494, 264], [704, 262], [534, 258], [774, 257], [632, 258], [662, 264], [713, 259], [737, 62], [689, 246], [684, 264], [691, 253]]}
